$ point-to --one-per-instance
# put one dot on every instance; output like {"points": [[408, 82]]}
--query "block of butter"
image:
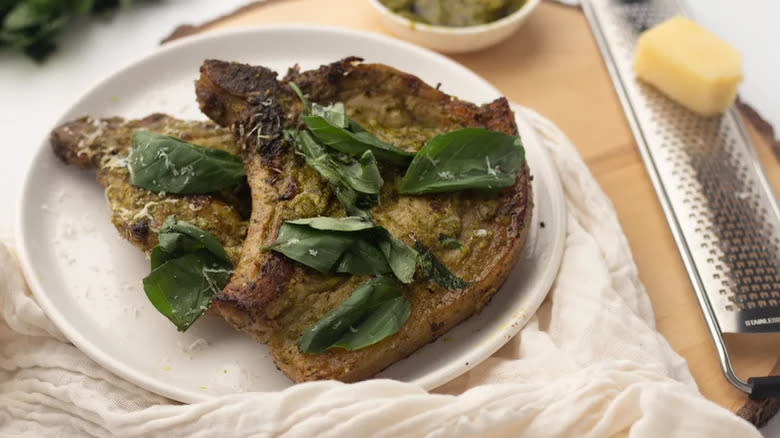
{"points": [[690, 65]]}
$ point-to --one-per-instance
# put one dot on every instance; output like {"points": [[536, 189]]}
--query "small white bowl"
{"points": [[449, 39]]}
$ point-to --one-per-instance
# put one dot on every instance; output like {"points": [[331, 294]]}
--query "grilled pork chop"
{"points": [[274, 299], [138, 214]]}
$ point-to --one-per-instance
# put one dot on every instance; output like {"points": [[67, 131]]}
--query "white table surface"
{"points": [[32, 96]]}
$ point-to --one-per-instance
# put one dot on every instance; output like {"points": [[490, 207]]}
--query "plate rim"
{"points": [[152, 384]]}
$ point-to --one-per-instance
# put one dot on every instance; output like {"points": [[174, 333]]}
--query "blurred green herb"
{"points": [[32, 25], [434, 271], [449, 242]]}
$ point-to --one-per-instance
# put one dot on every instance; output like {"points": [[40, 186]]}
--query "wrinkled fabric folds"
{"points": [[590, 363]]}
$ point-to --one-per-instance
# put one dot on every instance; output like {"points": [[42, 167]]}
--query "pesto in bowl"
{"points": [[454, 13]]}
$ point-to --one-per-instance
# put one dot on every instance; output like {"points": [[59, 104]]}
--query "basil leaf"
{"points": [[29, 13], [449, 242], [363, 258], [188, 267], [317, 249], [362, 175], [375, 310], [335, 114], [401, 257], [433, 270], [351, 245], [335, 224], [304, 100], [167, 164], [470, 158], [353, 143], [181, 288], [331, 126], [181, 237], [355, 183]]}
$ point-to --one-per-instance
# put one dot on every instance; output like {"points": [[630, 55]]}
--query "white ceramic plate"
{"points": [[87, 279]]}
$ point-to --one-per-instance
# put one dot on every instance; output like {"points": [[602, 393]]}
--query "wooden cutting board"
{"points": [[553, 66]]}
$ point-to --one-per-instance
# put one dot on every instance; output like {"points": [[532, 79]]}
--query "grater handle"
{"points": [[764, 387]]}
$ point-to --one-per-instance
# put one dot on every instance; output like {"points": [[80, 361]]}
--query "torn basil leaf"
{"points": [[433, 270], [161, 163], [375, 310], [189, 266], [317, 249], [360, 175], [355, 143], [357, 246], [449, 242], [335, 114], [356, 183], [335, 223], [350, 245], [181, 237], [331, 127], [401, 257], [364, 258], [304, 100], [469, 158]]}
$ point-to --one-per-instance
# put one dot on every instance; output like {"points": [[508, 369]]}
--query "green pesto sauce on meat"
{"points": [[468, 216], [456, 13], [138, 214]]}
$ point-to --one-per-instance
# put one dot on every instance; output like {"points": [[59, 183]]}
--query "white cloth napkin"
{"points": [[590, 364]]}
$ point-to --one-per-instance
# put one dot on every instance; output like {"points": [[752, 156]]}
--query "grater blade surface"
{"points": [[720, 207]]}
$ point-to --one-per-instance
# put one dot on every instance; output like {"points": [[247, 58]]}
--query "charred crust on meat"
{"points": [[437, 205], [152, 119], [311, 82], [500, 116], [199, 201], [247, 99], [266, 122], [238, 79], [289, 192], [413, 83], [272, 179], [274, 273], [139, 231], [69, 143]]}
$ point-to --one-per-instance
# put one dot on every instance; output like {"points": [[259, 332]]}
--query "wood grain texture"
{"points": [[759, 412], [553, 66]]}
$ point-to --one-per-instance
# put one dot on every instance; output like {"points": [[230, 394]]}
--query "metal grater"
{"points": [[719, 205]]}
